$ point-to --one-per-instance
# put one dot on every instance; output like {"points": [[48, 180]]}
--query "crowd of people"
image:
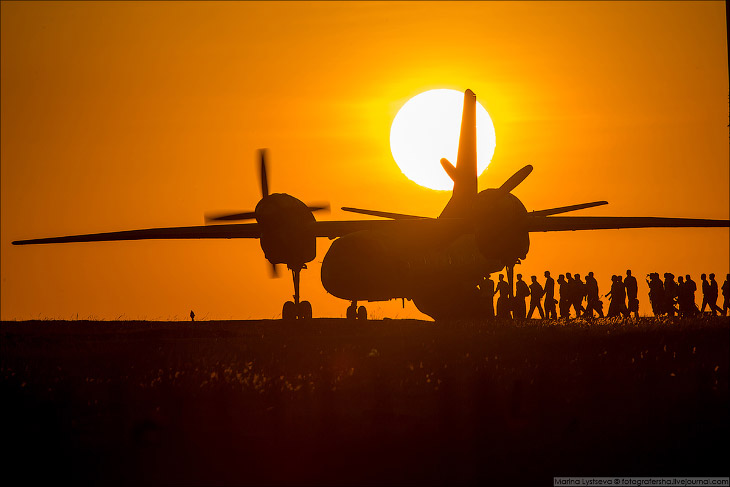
{"points": [[667, 297]]}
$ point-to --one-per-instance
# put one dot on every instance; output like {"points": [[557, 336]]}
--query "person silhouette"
{"points": [[656, 293], [549, 297], [192, 315], [521, 293], [618, 298], [691, 289], [726, 295], [705, 293], [712, 298], [682, 300], [487, 292], [503, 308], [564, 303], [536, 293], [632, 293], [670, 293], [578, 293], [593, 301], [569, 291]]}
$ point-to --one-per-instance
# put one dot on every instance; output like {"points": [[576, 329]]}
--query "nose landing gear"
{"points": [[296, 310], [353, 312]]}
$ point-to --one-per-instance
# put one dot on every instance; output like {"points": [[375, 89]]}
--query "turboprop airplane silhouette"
{"points": [[435, 262]]}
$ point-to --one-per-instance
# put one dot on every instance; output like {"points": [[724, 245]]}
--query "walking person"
{"points": [[487, 292], [632, 293], [726, 295], [656, 293], [549, 302], [712, 298], [578, 294], [593, 300], [522, 291], [670, 293], [564, 303], [682, 301], [617, 295], [705, 293], [503, 304], [691, 289], [536, 292]]}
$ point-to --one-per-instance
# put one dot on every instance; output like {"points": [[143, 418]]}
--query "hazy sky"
{"points": [[119, 116]]}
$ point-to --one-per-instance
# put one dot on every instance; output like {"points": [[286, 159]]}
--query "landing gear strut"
{"points": [[296, 310], [353, 312]]}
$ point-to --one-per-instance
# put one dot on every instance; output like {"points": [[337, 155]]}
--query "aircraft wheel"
{"points": [[289, 311], [351, 312], [362, 313], [305, 310]]}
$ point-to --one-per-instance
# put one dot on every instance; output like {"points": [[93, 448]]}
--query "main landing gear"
{"points": [[353, 312], [296, 310]]}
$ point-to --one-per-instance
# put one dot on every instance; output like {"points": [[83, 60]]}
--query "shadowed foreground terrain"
{"points": [[383, 402]]}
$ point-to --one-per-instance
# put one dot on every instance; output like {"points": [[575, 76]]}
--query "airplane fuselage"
{"points": [[438, 270]]}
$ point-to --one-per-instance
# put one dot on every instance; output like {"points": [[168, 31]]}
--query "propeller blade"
{"points": [[319, 207], [516, 179], [218, 217], [566, 209], [384, 214], [274, 271], [264, 179]]}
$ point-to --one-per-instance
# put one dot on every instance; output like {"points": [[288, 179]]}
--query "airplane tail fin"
{"points": [[464, 174]]}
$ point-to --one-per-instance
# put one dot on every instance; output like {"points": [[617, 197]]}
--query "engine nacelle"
{"points": [[500, 221], [286, 233]]}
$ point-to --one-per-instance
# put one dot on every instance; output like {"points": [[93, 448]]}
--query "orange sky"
{"points": [[120, 116]]}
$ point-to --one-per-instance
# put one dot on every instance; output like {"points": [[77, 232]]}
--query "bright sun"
{"points": [[427, 128]]}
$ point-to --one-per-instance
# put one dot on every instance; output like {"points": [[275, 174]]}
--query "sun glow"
{"points": [[427, 128]]}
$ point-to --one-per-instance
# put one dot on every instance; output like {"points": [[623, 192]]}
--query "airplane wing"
{"points": [[331, 229], [240, 230], [572, 223]]}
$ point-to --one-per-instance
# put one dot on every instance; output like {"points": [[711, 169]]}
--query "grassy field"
{"points": [[331, 402]]}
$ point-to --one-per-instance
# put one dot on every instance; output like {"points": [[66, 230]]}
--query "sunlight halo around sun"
{"points": [[427, 128]]}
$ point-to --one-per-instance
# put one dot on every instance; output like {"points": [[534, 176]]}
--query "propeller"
{"points": [[516, 179], [250, 215]]}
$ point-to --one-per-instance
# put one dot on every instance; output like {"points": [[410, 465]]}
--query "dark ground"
{"points": [[382, 402]]}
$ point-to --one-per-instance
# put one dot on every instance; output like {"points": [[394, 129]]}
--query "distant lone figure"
{"points": [[192, 315], [726, 295]]}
